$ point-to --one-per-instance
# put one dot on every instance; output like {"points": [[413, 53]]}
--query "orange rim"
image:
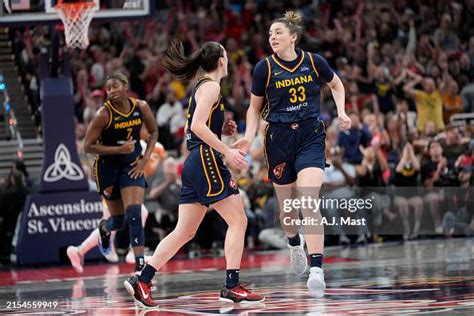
{"points": [[70, 9]]}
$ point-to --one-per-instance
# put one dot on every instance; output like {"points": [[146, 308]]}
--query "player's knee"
{"points": [[116, 222], [134, 219], [241, 220]]}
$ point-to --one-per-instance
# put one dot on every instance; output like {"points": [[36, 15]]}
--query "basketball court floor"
{"points": [[422, 277]]}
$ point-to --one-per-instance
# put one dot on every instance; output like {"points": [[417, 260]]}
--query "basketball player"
{"points": [[206, 180], [114, 136], [286, 92]]}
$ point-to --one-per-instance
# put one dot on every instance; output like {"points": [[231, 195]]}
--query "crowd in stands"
{"points": [[408, 70]]}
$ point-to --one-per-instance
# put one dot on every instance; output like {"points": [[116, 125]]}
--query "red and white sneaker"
{"points": [[239, 294], [141, 292]]}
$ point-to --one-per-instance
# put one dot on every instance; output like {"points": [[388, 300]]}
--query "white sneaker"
{"points": [[316, 284], [77, 261], [112, 257], [130, 257], [299, 261]]}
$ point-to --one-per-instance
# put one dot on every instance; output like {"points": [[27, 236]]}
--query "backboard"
{"points": [[24, 12]]}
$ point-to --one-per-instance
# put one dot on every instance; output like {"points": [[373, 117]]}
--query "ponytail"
{"points": [[185, 68], [182, 67]]}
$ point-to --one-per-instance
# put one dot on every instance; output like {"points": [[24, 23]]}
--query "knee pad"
{"points": [[115, 222], [137, 235]]}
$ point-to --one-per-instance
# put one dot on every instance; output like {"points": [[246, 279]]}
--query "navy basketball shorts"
{"points": [[112, 175], [206, 180], [292, 147]]}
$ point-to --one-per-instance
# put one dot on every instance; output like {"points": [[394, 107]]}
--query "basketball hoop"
{"points": [[76, 18]]}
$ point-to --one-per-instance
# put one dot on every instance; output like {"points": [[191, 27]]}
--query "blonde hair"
{"points": [[292, 21]]}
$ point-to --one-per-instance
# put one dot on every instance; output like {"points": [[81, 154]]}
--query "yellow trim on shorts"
{"points": [[205, 171], [265, 146], [218, 173], [209, 181], [96, 173]]}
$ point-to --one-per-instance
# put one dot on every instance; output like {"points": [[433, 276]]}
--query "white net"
{"points": [[76, 18]]}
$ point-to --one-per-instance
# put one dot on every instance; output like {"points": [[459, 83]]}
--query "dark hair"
{"points": [[20, 166], [292, 21], [184, 67], [433, 141], [18, 178], [118, 76]]}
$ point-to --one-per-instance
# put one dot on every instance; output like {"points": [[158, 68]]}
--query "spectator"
{"points": [[169, 112], [338, 179], [434, 173], [19, 166], [459, 218], [429, 104], [92, 105], [166, 191], [452, 101], [467, 96], [12, 199], [452, 146], [444, 36], [137, 66], [352, 139], [406, 175], [370, 178]]}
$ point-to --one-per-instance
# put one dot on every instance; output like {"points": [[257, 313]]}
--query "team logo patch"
{"points": [[136, 113], [233, 184], [108, 191], [278, 170], [304, 68]]}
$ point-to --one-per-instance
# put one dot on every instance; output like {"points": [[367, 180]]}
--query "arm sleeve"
{"points": [[323, 68], [260, 76]]}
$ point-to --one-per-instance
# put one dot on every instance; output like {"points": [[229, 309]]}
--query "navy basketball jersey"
{"points": [[214, 122], [123, 126], [292, 94]]}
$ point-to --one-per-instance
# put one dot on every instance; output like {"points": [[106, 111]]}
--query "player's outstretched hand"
{"points": [[229, 127], [235, 158], [242, 144], [344, 121]]}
